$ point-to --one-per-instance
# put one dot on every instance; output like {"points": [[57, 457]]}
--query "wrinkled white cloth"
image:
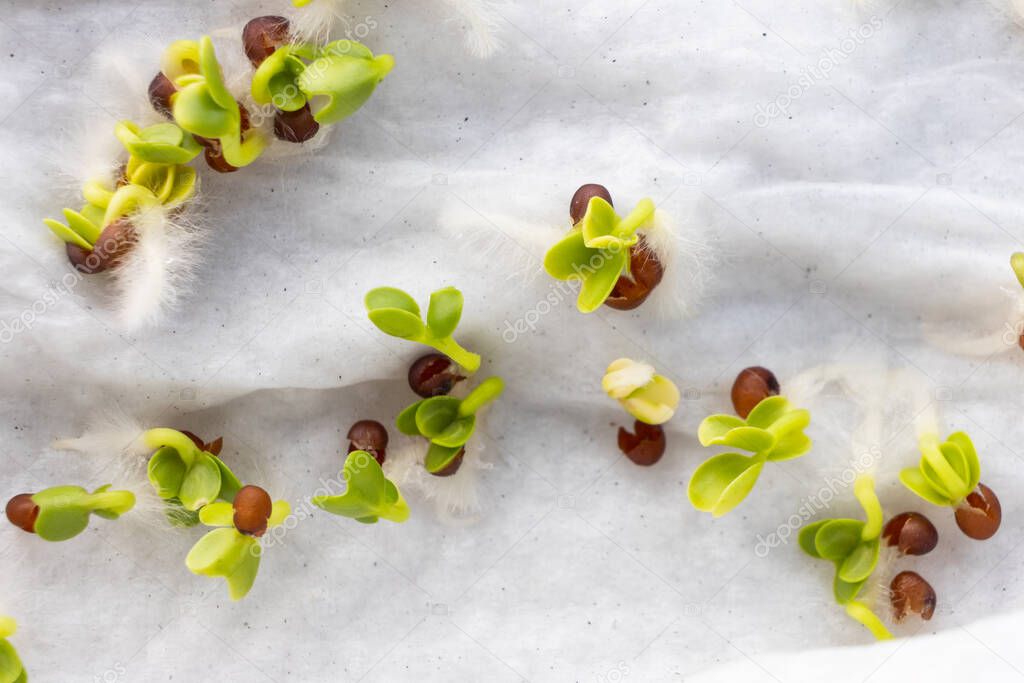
{"points": [[856, 168]]}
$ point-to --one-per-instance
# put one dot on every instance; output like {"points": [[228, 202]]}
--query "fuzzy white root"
{"points": [[985, 345], [314, 22], [1017, 7], [160, 267], [517, 248], [456, 498], [688, 261], [481, 21]]}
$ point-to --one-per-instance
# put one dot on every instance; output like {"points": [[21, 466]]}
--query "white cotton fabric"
{"points": [[863, 197]]}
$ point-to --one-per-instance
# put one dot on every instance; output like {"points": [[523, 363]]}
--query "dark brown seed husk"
{"points": [[370, 436], [646, 271], [262, 36], [452, 467], [911, 594], [22, 512], [980, 514], [753, 385], [433, 375], [295, 126], [252, 510], [160, 90], [911, 533], [645, 445], [581, 200]]}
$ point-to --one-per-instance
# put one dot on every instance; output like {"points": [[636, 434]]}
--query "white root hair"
{"points": [[314, 22], [456, 498], [984, 345], [159, 269], [688, 260], [480, 22]]}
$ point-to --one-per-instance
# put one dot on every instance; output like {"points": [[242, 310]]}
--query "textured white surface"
{"points": [[884, 202]]}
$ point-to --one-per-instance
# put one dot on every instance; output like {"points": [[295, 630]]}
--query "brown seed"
{"points": [[295, 126], [909, 593], [433, 375], [581, 200], [369, 436], [752, 386], [214, 158], [113, 243], [252, 510], [160, 90], [1020, 341], [645, 446], [215, 446], [979, 515], [262, 35], [452, 467], [80, 259], [646, 272], [912, 533], [22, 512]]}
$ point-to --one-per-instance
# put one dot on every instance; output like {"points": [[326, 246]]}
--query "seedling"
{"points": [[368, 496], [345, 73], [447, 422], [203, 105], [184, 474], [852, 546], [649, 397], [948, 474], [11, 668], [233, 551], [396, 313], [597, 251], [154, 176], [62, 512], [772, 432]]}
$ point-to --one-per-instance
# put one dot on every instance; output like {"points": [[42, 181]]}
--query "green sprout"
{"points": [[773, 431], [154, 175], [204, 106], [947, 473], [852, 546], [369, 495], [396, 313], [185, 475], [447, 422], [596, 250], [62, 512], [1017, 263], [649, 397], [11, 668], [344, 72], [229, 553]]}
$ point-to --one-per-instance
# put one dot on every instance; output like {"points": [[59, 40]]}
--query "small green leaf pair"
{"points": [[64, 511], [228, 553], [947, 472], [852, 546], [396, 313], [344, 72], [181, 473], [369, 495], [447, 422], [204, 106], [773, 431], [11, 668], [596, 250], [1017, 263], [153, 175]]}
